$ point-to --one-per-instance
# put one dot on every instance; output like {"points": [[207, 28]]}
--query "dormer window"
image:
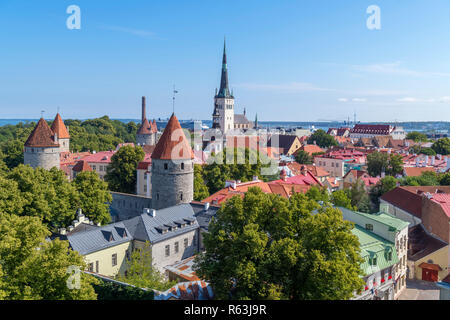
{"points": [[369, 227]]}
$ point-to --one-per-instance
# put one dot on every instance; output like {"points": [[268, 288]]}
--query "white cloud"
{"points": [[342, 99], [444, 99], [408, 99], [359, 99]]}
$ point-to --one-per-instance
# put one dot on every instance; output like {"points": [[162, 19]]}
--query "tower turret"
{"points": [[61, 133], [41, 149], [172, 168]]}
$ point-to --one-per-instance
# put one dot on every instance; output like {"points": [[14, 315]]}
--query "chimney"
{"points": [[283, 175], [206, 207], [150, 212], [144, 112], [303, 170], [433, 160]]}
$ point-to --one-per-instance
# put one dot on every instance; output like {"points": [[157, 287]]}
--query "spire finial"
{"points": [[42, 113], [174, 92]]}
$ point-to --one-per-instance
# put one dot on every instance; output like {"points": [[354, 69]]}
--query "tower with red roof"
{"points": [[147, 132], [42, 148], [172, 168], [61, 133]]}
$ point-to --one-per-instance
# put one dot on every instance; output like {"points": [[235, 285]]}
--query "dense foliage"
{"points": [[416, 136], [141, 272], [108, 290], [238, 167], [322, 139], [48, 195], [33, 268], [200, 189], [442, 146], [378, 162], [303, 157], [268, 247], [121, 173]]}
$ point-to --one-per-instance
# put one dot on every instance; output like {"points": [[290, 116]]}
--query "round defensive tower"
{"points": [[172, 168], [62, 133], [42, 147]]}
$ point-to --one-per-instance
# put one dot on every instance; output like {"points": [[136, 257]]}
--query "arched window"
{"points": [[181, 196], [182, 166]]}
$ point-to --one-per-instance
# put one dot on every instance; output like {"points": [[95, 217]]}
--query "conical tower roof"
{"points": [[154, 127], [59, 128], [145, 127], [42, 136], [167, 149]]}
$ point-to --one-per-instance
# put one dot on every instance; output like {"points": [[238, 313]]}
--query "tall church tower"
{"points": [[224, 100], [172, 168]]}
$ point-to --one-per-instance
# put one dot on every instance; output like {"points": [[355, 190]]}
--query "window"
{"points": [[181, 196], [176, 247], [369, 227], [91, 267], [389, 255], [165, 166], [182, 166], [114, 259], [96, 266], [94, 168], [127, 253], [167, 250], [373, 261], [186, 242], [145, 188], [157, 196]]}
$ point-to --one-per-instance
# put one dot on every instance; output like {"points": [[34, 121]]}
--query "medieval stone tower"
{"points": [[62, 134], [146, 134], [172, 168], [42, 148]]}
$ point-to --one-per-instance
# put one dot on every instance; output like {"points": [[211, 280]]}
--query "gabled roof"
{"points": [[145, 127], [421, 243], [42, 136], [284, 141], [416, 171], [59, 128], [241, 119], [82, 166], [173, 144]]}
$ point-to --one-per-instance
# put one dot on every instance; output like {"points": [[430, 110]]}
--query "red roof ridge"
{"points": [[166, 145], [59, 128], [41, 136]]}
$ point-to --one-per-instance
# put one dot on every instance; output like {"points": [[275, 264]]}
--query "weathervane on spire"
{"points": [[174, 92], [42, 113]]}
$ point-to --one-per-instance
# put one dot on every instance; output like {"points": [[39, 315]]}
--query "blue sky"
{"points": [[288, 60]]}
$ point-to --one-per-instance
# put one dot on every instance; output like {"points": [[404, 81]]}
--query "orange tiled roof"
{"points": [[167, 148], [416, 171], [311, 148], [145, 127], [154, 126], [82, 166], [42, 136], [59, 128]]}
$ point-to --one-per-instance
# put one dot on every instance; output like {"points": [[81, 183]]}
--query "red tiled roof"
{"points": [[308, 179], [405, 199], [295, 168], [59, 128], [42, 136], [143, 165], [82, 166], [100, 157], [173, 144], [145, 127], [443, 199], [154, 126], [383, 129], [416, 171], [311, 148]]}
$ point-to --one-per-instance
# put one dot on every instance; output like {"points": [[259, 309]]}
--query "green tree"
{"points": [[141, 272], [427, 178], [442, 146], [121, 173], [340, 199], [94, 196], [318, 194], [200, 188], [385, 184], [377, 162], [11, 200], [46, 194], [444, 179], [359, 196], [322, 139], [416, 136], [13, 153], [33, 268], [303, 157], [268, 247], [395, 164]]}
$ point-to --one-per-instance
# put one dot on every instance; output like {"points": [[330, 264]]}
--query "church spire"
{"points": [[224, 91]]}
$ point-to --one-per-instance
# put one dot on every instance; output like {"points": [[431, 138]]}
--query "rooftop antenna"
{"points": [[42, 113], [174, 92]]}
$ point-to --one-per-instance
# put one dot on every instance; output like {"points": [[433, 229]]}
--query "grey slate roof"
{"points": [[241, 119], [143, 227], [204, 216], [99, 238]]}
